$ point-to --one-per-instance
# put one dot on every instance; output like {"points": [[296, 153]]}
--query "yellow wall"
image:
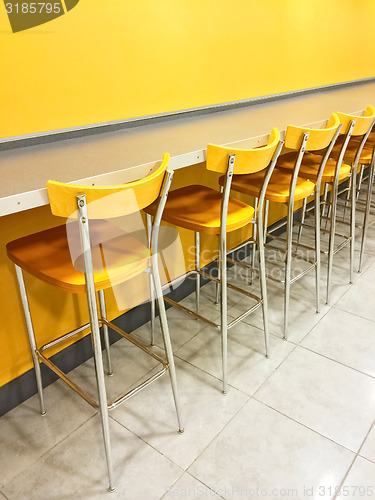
{"points": [[114, 59]]}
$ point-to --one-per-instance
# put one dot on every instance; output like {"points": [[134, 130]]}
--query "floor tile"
{"points": [[247, 366], [130, 365], [262, 449], [334, 400], [189, 487], [182, 327], [76, 469], [369, 273], [151, 413], [359, 299], [346, 338], [302, 314], [27, 435], [368, 448], [360, 482]]}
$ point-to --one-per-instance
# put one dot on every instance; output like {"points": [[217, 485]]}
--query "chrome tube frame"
{"points": [[333, 209], [95, 334], [351, 195], [365, 225], [254, 239], [197, 267], [151, 284], [261, 242], [289, 231], [159, 295], [103, 313], [223, 270], [30, 332]]}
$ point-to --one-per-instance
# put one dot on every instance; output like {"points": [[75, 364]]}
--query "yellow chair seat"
{"points": [[351, 149], [198, 208], [278, 187], [310, 165], [46, 255]]}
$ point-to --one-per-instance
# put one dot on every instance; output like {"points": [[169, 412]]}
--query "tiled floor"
{"points": [[298, 425]]}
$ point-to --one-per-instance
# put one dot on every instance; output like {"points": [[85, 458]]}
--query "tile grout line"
{"points": [[3, 494], [354, 459], [336, 361], [218, 434], [48, 451], [360, 448], [351, 312], [204, 484], [304, 425]]}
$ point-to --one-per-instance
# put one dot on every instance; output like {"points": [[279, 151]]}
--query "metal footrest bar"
{"points": [[280, 238], [91, 401], [64, 337], [342, 245], [250, 295], [296, 278], [244, 265], [176, 280], [241, 245], [85, 395], [303, 273], [231, 286], [189, 311], [246, 313]]}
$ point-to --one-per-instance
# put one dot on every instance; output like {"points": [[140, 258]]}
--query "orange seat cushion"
{"points": [[198, 208], [310, 165], [278, 187], [47, 255]]}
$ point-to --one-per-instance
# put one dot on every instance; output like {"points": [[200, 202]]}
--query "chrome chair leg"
{"points": [[103, 313], [331, 244], [223, 308], [359, 184], [166, 339], [99, 370], [288, 264], [367, 213], [302, 221], [347, 197], [197, 275], [151, 285], [352, 222], [317, 247], [217, 286], [263, 284], [30, 331], [254, 237], [327, 203], [324, 201], [266, 212]]}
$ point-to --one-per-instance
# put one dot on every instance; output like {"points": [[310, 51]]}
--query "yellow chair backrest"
{"points": [[319, 138], [247, 160], [104, 202], [362, 123]]}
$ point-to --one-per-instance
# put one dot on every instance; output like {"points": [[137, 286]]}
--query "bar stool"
{"points": [[366, 161], [205, 210], [343, 166], [102, 257], [287, 187]]}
